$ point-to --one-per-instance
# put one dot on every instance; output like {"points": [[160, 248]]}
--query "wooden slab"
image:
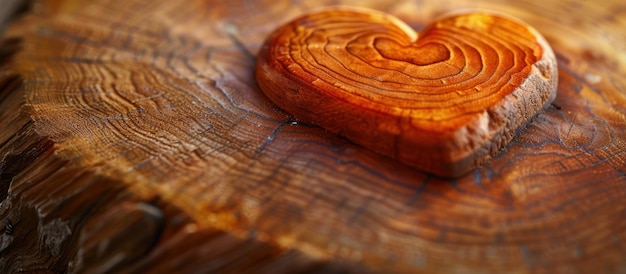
{"points": [[134, 138]]}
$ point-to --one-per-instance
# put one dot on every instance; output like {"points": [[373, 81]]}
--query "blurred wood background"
{"points": [[133, 138]]}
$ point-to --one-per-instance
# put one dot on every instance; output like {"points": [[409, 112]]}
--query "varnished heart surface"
{"points": [[443, 100]]}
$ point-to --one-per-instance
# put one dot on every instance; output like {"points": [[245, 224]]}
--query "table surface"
{"points": [[125, 115]]}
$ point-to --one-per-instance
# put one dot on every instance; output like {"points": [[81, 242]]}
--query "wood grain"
{"points": [[444, 100], [150, 110]]}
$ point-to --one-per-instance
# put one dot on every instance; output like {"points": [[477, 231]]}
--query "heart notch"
{"points": [[443, 100]]}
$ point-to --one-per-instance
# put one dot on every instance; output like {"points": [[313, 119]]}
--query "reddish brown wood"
{"points": [[123, 114], [444, 100]]}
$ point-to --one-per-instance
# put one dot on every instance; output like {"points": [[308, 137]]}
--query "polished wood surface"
{"points": [[126, 116], [444, 100]]}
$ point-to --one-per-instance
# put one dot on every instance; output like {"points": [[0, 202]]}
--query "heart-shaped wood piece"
{"points": [[444, 100]]}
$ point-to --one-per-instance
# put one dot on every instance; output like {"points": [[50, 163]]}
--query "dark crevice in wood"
{"points": [[273, 135], [8, 85], [14, 163], [25, 223], [22, 129], [8, 48], [9, 82]]}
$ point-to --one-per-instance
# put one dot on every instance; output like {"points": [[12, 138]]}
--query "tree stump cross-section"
{"points": [[133, 137]]}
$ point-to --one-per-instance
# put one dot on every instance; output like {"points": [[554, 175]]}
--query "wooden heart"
{"points": [[444, 100]]}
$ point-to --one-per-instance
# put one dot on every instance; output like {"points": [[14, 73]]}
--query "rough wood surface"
{"points": [[443, 100], [125, 115]]}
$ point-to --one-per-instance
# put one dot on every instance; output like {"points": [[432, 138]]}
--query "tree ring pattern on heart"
{"points": [[444, 100]]}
